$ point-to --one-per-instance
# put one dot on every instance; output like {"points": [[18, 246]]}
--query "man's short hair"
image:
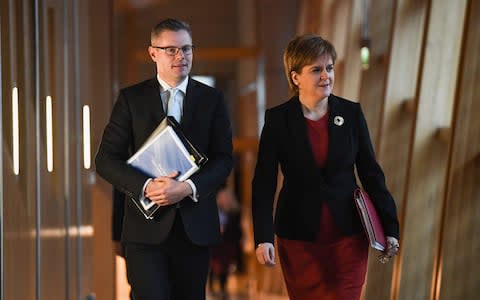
{"points": [[170, 25]]}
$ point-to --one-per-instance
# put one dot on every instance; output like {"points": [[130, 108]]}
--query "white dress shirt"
{"points": [[180, 96]]}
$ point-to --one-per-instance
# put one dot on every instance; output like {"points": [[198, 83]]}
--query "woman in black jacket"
{"points": [[317, 139]]}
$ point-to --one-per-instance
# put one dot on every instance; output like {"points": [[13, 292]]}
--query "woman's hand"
{"points": [[266, 254], [391, 250], [118, 249]]}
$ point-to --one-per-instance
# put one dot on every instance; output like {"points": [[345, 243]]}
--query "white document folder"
{"points": [[166, 150]]}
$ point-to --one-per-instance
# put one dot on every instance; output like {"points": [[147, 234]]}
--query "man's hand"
{"points": [[166, 190], [266, 254]]}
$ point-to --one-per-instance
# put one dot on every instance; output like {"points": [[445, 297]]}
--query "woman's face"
{"points": [[315, 81]]}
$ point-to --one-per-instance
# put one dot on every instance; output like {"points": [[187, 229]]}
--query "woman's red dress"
{"points": [[332, 267]]}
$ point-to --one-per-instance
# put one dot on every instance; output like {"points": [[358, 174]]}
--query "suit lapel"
{"points": [[154, 101], [189, 103], [334, 131], [298, 130]]}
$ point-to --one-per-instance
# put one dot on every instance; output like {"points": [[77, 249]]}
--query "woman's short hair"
{"points": [[304, 50]]}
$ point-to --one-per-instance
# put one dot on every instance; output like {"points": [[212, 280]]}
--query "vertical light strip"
{"points": [[15, 132], [365, 36], [49, 133], [261, 92], [86, 137]]}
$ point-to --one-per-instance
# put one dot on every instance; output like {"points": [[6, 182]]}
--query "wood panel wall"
{"points": [[459, 251], [429, 156], [372, 92], [423, 119], [395, 130]]}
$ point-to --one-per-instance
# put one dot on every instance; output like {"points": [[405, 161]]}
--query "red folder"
{"points": [[370, 220]]}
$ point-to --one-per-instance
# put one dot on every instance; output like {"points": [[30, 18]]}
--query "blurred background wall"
{"points": [[62, 63]]}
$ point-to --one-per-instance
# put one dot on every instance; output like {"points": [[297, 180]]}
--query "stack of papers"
{"points": [[166, 150]]}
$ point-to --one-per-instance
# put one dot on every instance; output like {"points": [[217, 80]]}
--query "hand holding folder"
{"points": [[166, 150]]}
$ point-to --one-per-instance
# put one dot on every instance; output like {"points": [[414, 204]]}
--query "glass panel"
{"points": [[52, 210], [18, 186]]}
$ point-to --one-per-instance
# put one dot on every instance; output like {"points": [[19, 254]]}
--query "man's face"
{"points": [[172, 68]]}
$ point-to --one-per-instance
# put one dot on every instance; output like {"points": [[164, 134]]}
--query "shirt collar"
{"points": [[182, 86]]}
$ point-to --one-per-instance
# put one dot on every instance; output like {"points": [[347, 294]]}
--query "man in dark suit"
{"points": [[167, 256]]}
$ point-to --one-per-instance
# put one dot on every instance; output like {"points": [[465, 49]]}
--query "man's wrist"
{"points": [[188, 189], [193, 195], [144, 188]]}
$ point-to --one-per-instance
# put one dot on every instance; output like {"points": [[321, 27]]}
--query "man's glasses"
{"points": [[172, 51]]}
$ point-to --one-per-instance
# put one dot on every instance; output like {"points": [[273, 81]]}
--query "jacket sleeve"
{"points": [[219, 151], [114, 151], [373, 179], [264, 183]]}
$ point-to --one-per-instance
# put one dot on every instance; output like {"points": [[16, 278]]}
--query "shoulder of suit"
{"points": [[200, 87], [339, 102], [199, 84], [284, 106], [342, 101], [341, 107], [141, 86]]}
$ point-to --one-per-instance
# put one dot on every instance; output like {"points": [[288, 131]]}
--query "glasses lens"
{"points": [[171, 50]]}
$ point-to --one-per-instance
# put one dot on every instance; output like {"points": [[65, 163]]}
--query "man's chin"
{"points": [[182, 73]]}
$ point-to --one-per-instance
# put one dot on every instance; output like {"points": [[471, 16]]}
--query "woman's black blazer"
{"points": [[284, 142]]}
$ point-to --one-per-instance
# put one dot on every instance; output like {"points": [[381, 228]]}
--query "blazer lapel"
{"points": [[334, 134], [298, 131], [189, 103], [154, 101]]}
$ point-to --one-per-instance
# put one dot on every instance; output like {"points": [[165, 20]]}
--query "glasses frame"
{"points": [[177, 49]]}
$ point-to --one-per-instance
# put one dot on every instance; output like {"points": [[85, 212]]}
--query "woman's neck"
{"points": [[314, 110]]}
